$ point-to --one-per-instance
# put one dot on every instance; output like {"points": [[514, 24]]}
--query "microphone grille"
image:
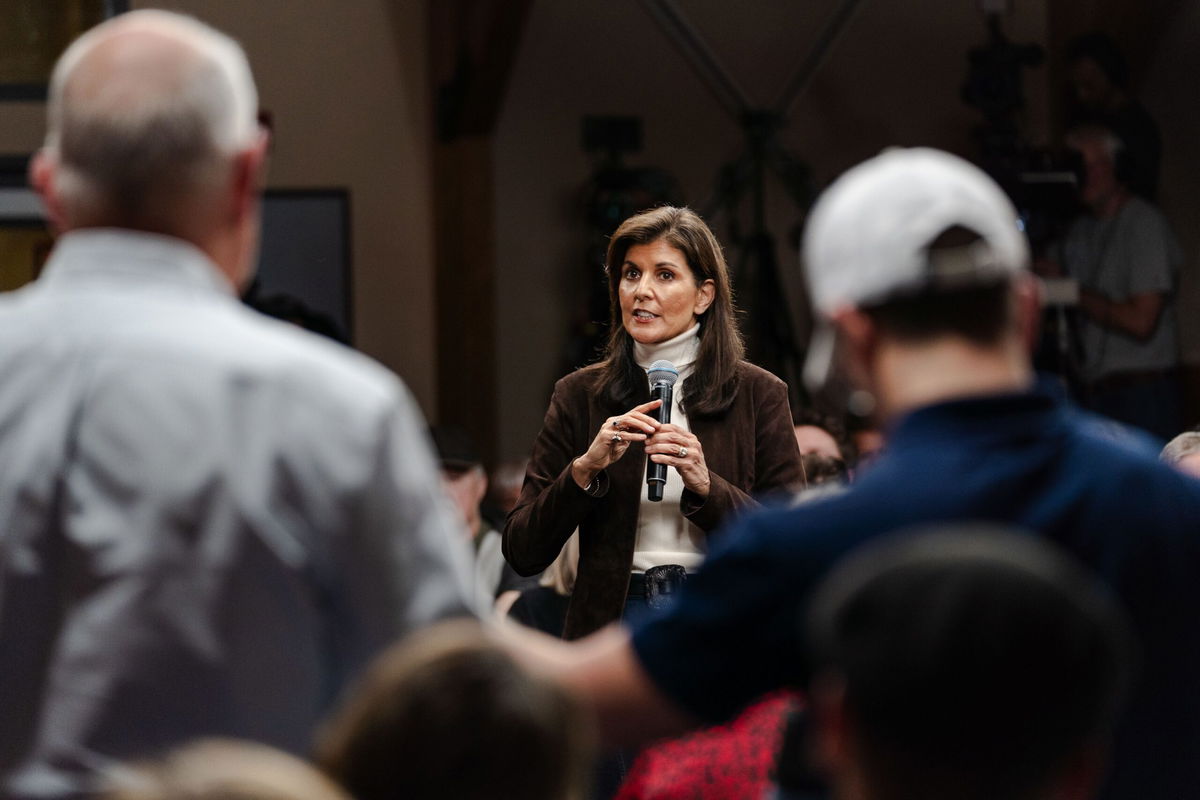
{"points": [[663, 372]]}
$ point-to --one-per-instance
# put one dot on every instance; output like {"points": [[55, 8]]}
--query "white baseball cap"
{"points": [[868, 236]]}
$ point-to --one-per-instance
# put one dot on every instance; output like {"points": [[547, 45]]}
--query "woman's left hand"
{"points": [[680, 449]]}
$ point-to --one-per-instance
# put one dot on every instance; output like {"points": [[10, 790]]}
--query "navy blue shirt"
{"points": [[1024, 459]]}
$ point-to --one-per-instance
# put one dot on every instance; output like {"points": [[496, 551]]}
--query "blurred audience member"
{"points": [[853, 441], [209, 520], [818, 432], [1183, 453], [1126, 259], [816, 439], [217, 769], [544, 607], [466, 482], [449, 714], [826, 451], [868, 445], [1100, 94], [983, 665], [822, 470], [504, 488]]}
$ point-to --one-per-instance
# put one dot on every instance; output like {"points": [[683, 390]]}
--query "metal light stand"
{"points": [[772, 341]]}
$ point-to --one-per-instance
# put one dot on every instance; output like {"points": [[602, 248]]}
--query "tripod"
{"points": [[771, 337]]}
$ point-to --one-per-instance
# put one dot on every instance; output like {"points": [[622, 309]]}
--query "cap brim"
{"points": [[819, 361]]}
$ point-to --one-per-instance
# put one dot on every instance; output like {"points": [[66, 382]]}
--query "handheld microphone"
{"points": [[662, 376]]}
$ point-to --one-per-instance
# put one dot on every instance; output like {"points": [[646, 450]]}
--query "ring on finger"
{"points": [[683, 452], [616, 437], [616, 425]]}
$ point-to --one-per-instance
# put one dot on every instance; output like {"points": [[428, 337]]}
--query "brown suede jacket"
{"points": [[749, 450]]}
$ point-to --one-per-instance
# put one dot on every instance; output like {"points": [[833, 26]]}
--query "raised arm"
{"points": [[1136, 316], [566, 475]]}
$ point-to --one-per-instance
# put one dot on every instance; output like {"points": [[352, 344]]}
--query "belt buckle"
{"points": [[662, 582]]}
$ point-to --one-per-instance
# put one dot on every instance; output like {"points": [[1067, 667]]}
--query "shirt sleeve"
{"points": [[1151, 249], [404, 560]]}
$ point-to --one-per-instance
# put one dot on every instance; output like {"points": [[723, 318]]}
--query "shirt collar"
{"points": [[119, 253], [1034, 411]]}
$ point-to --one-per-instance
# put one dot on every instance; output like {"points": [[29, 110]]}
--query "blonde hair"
{"points": [[1179, 448], [223, 769]]}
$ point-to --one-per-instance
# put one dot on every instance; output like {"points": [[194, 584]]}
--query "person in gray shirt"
{"points": [[209, 520], [1126, 259]]}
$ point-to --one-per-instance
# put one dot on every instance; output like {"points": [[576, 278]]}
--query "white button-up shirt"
{"points": [[209, 520]]}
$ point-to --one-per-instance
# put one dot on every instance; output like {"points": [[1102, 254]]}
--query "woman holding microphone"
{"points": [[729, 436]]}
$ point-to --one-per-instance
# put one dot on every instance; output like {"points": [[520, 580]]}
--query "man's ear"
{"points": [[857, 335], [42, 171], [1027, 309], [249, 176]]}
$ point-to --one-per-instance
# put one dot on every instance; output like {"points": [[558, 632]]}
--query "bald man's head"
{"points": [[146, 114]]}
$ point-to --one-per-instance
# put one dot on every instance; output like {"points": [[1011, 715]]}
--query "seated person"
{"points": [[827, 452], [450, 714], [504, 488], [466, 483], [822, 470], [822, 433], [977, 664], [544, 607]]}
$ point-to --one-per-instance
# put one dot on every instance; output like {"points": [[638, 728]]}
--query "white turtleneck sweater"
{"points": [[663, 535]]}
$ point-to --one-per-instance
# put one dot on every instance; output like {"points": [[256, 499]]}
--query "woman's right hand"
{"points": [[612, 440]]}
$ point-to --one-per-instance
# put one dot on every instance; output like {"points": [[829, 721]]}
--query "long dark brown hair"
{"points": [[713, 383]]}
